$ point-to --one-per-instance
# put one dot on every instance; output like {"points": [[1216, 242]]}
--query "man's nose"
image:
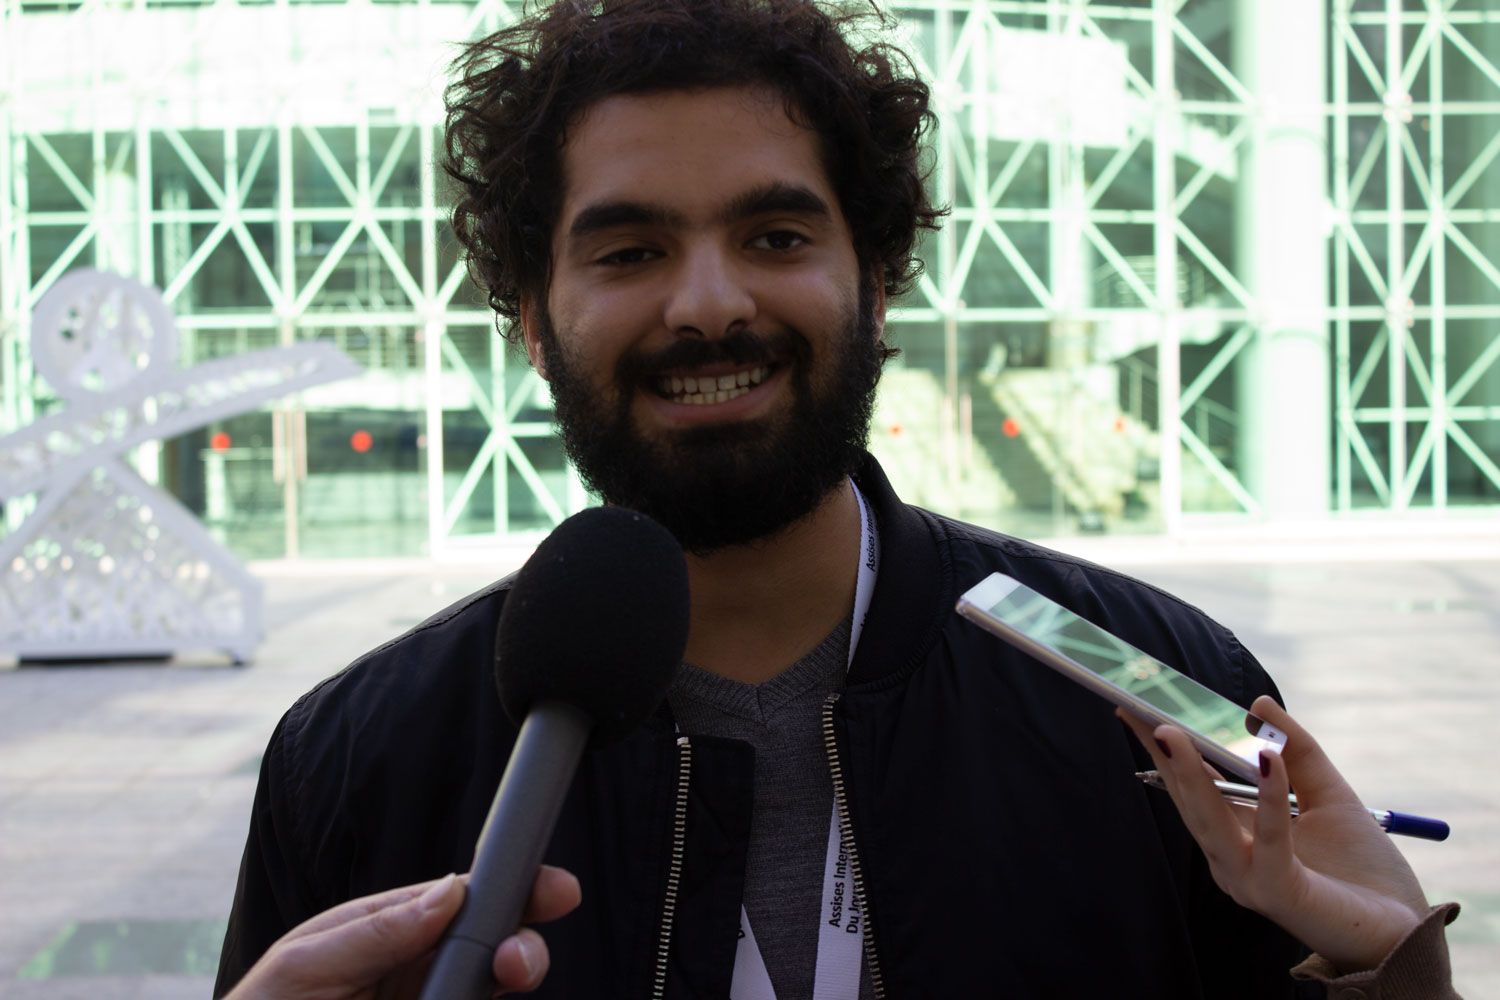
{"points": [[710, 295]]}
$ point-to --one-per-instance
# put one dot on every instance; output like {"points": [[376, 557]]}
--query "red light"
{"points": [[895, 429], [219, 441], [1119, 425], [361, 441], [1010, 428]]}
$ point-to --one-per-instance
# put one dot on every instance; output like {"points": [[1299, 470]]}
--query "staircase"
{"points": [[1057, 432], [907, 435]]}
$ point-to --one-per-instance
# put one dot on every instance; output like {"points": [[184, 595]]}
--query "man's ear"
{"points": [[529, 339]]}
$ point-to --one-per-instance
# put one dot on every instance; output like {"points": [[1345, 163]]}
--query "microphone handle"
{"points": [[510, 849]]}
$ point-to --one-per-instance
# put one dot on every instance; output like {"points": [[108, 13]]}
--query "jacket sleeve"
{"points": [[1416, 969], [271, 897]]}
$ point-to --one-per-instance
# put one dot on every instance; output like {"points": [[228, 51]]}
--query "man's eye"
{"points": [[781, 239], [630, 255]]}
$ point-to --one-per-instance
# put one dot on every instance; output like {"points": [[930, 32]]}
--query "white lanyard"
{"points": [[841, 926]]}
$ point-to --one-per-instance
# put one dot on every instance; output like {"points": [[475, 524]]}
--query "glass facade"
{"points": [[1223, 259]]}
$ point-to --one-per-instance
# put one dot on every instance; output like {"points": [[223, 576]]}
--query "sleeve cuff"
{"points": [[1416, 969]]}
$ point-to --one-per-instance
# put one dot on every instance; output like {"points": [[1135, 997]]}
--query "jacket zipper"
{"points": [[846, 832], [674, 866]]}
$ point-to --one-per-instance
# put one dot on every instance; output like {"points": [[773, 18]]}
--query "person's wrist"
{"points": [[1399, 930], [1415, 967]]}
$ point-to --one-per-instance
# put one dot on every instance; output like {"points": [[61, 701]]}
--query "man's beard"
{"points": [[730, 483]]}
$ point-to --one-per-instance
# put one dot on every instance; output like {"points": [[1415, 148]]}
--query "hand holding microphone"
{"points": [[573, 680], [381, 945]]}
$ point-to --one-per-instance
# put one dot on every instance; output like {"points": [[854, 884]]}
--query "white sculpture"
{"points": [[106, 564]]}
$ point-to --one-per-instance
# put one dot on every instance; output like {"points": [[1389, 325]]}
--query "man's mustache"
{"points": [[742, 347]]}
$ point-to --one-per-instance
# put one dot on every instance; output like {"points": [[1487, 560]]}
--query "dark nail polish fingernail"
{"points": [[1265, 764], [1162, 745]]}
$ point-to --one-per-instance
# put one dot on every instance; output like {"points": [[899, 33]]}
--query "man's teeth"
{"points": [[711, 388]]}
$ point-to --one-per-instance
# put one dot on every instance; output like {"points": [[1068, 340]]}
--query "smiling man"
{"points": [[710, 337], [693, 214]]}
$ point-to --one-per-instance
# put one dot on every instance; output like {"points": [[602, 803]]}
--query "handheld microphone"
{"points": [[575, 680]]}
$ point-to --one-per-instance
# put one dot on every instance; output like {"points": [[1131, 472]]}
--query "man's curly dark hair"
{"points": [[517, 91]]}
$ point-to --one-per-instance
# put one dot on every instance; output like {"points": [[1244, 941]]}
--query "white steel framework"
{"points": [[1417, 299], [1089, 277]]}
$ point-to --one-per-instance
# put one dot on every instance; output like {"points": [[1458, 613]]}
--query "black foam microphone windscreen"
{"points": [[597, 618]]}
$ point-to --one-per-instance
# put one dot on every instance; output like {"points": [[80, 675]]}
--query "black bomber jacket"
{"points": [[1004, 846]]}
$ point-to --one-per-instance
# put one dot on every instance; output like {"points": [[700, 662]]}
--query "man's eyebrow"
{"points": [[611, 214], [777, 196]]}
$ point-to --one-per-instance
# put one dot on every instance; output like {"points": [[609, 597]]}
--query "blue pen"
{"points": [[1404, 824]]}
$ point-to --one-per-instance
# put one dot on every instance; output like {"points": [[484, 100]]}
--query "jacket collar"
{"points": [[914, 590]]}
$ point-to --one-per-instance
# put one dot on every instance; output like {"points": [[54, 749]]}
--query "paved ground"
{"points": [[124, 789]]}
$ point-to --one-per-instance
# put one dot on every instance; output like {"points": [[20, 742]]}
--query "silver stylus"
{"points": [[1391, 822]]}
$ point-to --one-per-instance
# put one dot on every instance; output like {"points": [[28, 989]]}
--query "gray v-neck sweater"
{"points": [[782, 720]]}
